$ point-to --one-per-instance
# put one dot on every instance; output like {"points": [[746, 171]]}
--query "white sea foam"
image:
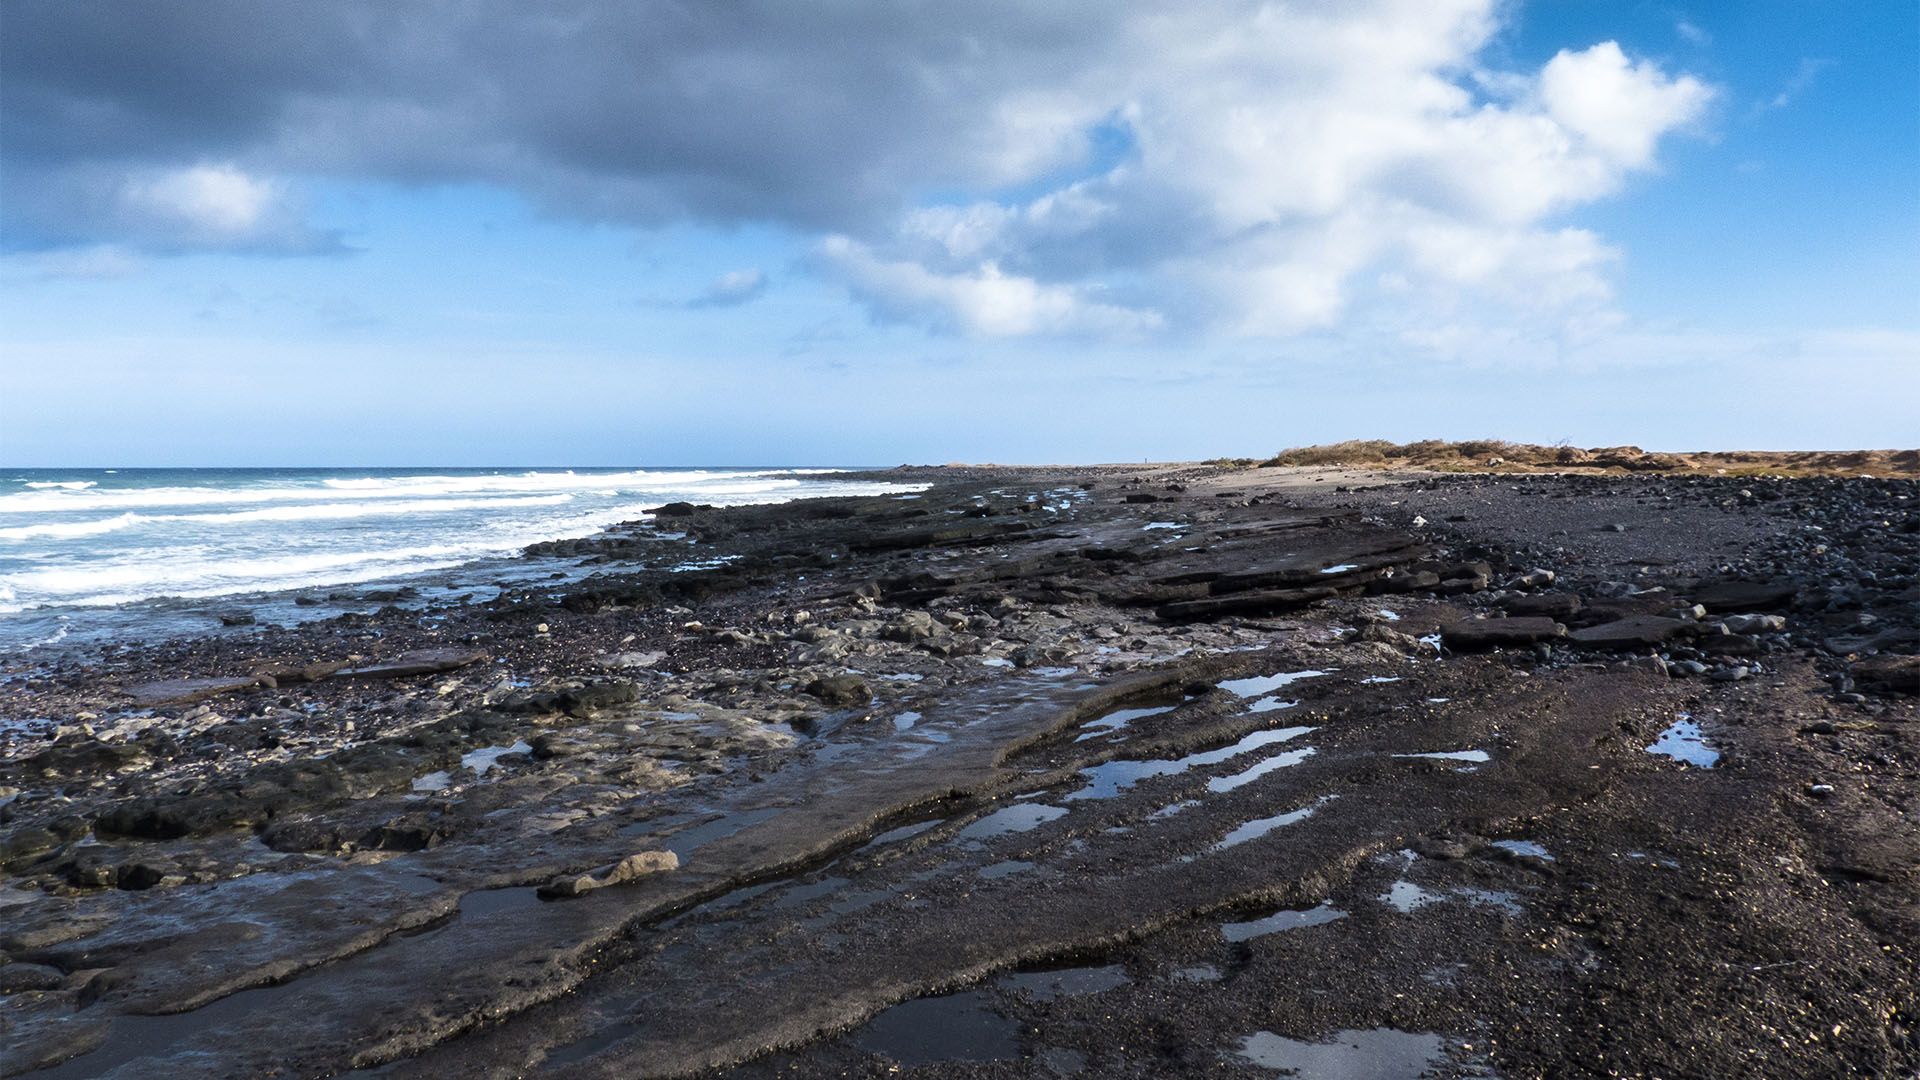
{"points": [[324, 511], [89, 548], [69, 485], [678, 484], [71, 528]]}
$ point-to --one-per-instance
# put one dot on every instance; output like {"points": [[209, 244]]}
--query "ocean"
{"points": [[90, 554]]}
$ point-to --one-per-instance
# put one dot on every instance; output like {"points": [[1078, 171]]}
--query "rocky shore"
{"points": [[1117, 771]]}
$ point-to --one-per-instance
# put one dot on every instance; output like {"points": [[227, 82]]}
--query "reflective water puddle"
{"points": [[1278, 761], [1261, 685], [1684, 742], [956, 1027], [1380, 1054], [1281, 920], [1477, 756], [1119, 718], [486, 758], [1113, 777], [1259, 827], [1011, 819], [1064, 982]]}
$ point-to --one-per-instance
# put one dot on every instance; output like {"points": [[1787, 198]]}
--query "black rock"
{"points": [[1492, 633], [840, 691]]}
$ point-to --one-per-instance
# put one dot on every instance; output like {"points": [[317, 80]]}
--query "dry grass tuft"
{"points": [[1498, 455]]}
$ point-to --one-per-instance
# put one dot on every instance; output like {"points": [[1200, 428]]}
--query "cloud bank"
{"points": [[990, 169]]}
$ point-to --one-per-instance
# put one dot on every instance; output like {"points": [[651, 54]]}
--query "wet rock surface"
{"points": [[1103, 772]]}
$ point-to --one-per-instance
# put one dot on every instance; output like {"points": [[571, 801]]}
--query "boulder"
{"points": [[1727, 645], [1632, 632], [1744, 595], [1404, 582], [21, 978], [633, 866], [1754, 624], [417, 662], [911, 627], [840, 691], [1470, 634], [1889, 672], [182, 691]]}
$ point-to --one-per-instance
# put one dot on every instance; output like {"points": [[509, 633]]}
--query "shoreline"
{"points": [[1029, 724], [296, 600]]}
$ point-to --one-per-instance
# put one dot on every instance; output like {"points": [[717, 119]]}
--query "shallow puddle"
{"points": [[1251, 742], [1684, 742], [901, 833], [1118, 719], [486, 758], [1064, 982], [1005, 869], [905, 721], [1405, 897], [1281, 920], [1380, 1054], [954, 1027], [1259, 827], [433, 781], [1111, 778], [1278, 761], [1270, 704], [1260, 685], [1524, 847], [1011, 819], [1477, 756]]}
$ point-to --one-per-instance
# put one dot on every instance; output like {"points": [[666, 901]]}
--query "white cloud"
{"points": [[1281, 162], [1619, 107], [102, 261], [733, 288], [998, 168], [1798, 83], [216, 198], [981, 301]]}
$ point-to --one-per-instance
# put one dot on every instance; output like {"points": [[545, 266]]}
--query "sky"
{"points": [[753, 232]]}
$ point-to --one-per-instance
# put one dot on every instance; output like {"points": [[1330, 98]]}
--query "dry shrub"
{"points": [[1351, 452]]}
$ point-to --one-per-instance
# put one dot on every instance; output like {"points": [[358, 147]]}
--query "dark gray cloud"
{"points": [[993, 167], [824, 116]]}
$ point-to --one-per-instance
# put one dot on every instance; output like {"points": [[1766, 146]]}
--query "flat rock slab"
{"points": [[1491, 633], [419, 662], [1890, 672], [1632, 632], [1744, 595], [298, 672], [181, 691], [1264, 602], [1555, 605]]}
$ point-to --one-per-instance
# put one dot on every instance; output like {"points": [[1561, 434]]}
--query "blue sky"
{"points": [[625, 234]]}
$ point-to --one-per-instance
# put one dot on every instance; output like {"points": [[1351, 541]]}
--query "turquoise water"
{"points": [[114, 551]]}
